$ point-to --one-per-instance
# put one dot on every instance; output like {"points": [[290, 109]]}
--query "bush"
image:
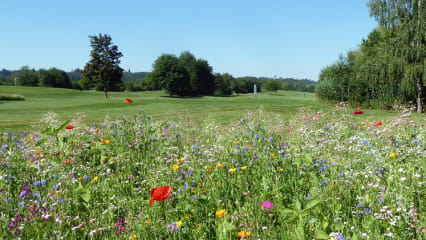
{"points": [[13, 97]]}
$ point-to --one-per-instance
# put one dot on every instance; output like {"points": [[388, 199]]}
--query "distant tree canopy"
{"points": [[272, 86], [103, 68], [54, 78], [389, 66], [27, 77], [183, 76]]}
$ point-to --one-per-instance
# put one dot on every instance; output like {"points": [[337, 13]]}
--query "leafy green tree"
{"points": [[229, 82], [26, 77], [103, 68], [76, 85], [408, 17], [205, 77], [151, 82], [129, 86], [189, 62], [54, 78], [272, 86], [223, 84], [171, 75]]}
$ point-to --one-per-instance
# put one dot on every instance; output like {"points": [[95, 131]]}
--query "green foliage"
{"points": [[13, 97], [246, 85], [183, 76], [54, 78], [76, 85], [389, 66], [171, 75], [271, 86], [27, 77], [103, 69], [223, 84], [206, 77]]}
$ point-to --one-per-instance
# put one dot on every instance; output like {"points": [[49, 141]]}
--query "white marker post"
{"points": [[254, 90]]}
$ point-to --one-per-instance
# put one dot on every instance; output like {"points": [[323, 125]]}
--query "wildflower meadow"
{"points": [[316, 175]]}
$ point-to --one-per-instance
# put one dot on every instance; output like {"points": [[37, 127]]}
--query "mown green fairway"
{"points": [[17, 115], [66, 103]]}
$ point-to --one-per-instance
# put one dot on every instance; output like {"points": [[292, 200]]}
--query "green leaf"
{"points": [[85, 196], [322, 235], [79, 189], [47, 131], [62, 127], [312, 204], [297, 206], [40, 142], [287, 211]]}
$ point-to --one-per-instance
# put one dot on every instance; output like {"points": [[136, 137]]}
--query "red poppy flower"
{"points": [[356, 112], [69, 127], [128, 100], [377, 124], [160, 194]]}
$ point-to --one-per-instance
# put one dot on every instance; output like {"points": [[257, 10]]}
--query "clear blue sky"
{"points": [[280, 38]]}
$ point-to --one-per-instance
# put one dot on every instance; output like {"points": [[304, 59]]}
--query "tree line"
{"points": [[389, 66], [182, 75]]}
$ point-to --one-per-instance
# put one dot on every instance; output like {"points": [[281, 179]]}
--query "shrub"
{"points": [[13, 97]]}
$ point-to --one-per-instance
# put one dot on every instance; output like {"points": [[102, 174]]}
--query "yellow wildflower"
{"points": [[30, 138], [95, 179], [281, 170], [219, 166], [220, 213], [392, 155], [208, 140], [232, 170], [106, 141], [243, 167], [272, 155], [179, 223], [209, 168], [176, 167], [188, 216], [134, 237], [243, 234], [180, 160], [149, 221]]}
